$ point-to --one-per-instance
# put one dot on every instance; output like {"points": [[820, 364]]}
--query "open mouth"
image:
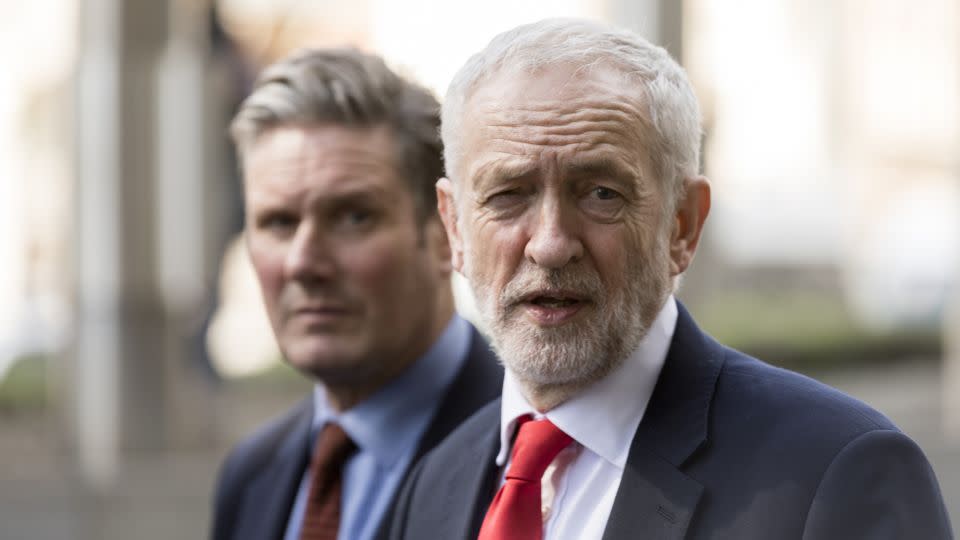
{"points": [[552, 308], [554, 301]]}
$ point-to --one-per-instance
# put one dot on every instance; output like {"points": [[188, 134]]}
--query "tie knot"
{"points": [[538, 443], [331, 448]]}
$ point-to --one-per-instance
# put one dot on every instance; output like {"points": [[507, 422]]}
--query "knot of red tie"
{"points": [[514, 513], [538, 443]]}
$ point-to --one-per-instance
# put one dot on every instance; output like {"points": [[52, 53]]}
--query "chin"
{"points": [[323, 358]]}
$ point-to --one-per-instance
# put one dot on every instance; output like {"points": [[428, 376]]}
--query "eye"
{"points": [[278, 222], [603, 203], [604, 193], [505, 200], [503, 196], [355, 218]]}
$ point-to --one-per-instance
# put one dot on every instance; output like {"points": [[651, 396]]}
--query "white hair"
{"points": [[663, 89]]}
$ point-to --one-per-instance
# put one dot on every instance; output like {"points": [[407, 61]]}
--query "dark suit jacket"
{"points": [[260, 478], [729, 447]]}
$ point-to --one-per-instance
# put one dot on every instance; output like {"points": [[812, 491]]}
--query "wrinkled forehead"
{"points": [[557, 81], [559, 109]]}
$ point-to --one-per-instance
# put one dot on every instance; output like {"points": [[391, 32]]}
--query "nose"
{"points": [[555, 239], [309, 255]]}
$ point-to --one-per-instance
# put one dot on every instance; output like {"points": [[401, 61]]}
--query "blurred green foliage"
{"points": [[279, 374], [801, 330], [804, 331], [25, 383]]}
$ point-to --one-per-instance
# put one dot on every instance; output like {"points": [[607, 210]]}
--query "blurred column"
{"points": [[659, 21], [137, 234], [662, 22], [189, 168], [950, 390]]}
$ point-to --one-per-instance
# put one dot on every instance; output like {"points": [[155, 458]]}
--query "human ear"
{"points": [[691, 213], [435, 238], [447, 206]]}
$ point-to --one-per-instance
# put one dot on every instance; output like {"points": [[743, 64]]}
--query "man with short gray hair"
{"points": [[574, 202], [340, 157]]}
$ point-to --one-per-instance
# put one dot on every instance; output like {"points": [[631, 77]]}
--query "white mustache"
{"points": [[584, 282]]}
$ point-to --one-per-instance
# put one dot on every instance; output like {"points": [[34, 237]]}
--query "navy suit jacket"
{"points": [[729, 447], [259, 480]]}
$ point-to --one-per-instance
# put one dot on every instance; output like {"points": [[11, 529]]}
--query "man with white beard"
{"points": [[573, 203]]}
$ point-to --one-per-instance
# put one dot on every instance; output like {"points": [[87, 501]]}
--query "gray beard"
{"points": [[579, 353]]}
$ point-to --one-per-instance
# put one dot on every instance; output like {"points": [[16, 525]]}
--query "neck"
{"points": [[545, 397], [344, 396], [341, 398]]}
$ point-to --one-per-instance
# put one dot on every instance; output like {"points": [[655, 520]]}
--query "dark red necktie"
{"points": [[321, 519], [514, 513]]}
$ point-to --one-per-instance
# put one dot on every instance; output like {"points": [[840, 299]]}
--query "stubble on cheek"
{"points": [[583, 351]]}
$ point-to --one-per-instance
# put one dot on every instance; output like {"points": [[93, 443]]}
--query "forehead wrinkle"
{"points": [[533, 142], [559, 116], [622, 107], [596, 119], [560, 128]]}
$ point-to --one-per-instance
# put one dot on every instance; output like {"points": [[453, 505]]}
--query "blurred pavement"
{"points": [[168, 497]]}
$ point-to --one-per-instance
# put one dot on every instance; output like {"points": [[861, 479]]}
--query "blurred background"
{"points": [[133, 346]]}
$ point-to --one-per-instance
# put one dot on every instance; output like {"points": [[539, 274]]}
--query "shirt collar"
{"points": [[391, 421], [620, 398]]}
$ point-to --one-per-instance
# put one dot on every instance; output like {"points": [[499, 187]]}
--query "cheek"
{"points": [[495, 251], [380, 268], [268, 266], [617, 253]]}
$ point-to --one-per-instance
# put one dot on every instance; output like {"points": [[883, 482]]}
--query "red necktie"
{"points": [[321, 519], [514, 513]]}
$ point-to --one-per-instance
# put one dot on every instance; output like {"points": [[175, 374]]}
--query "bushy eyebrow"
{"points": [[575, 169], [603, 167], [502, 171]]}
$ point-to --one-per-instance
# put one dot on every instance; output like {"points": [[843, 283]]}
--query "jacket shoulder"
{"points": [[470, 435], [257, 448], [438, 497], [247, 458], [783, 396], [478, 383]]}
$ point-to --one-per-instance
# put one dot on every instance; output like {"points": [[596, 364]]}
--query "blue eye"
{"points": [[605, 194], [603, 203]]}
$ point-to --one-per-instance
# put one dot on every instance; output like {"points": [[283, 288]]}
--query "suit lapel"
{"points": [[479, 382], [469, 481], [270, 494], [448, 493], [656, 500]]}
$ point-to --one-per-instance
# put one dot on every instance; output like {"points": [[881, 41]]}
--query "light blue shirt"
{"points": [[386, 427]]}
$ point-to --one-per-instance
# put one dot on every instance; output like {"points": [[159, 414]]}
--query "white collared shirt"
{"points": [[579, 487]]}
